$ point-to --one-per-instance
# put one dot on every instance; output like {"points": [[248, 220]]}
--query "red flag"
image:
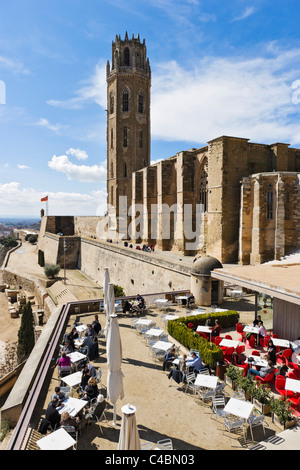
{"points": [[44, 199]]}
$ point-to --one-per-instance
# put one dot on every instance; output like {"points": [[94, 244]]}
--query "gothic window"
{"points": [[125, 170], [111, 138], [138, 59], [111, 103], [126, 57], [140, 138], [125, 137], [111, 170], [125, 102], [270, 202], [141, 103], [203, 188]]}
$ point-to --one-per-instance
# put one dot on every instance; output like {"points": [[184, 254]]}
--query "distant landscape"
{"points": [[21, 222]]}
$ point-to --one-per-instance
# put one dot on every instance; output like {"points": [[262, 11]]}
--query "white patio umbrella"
{"points": [[105, 295], [129, 438], [114, 363]]}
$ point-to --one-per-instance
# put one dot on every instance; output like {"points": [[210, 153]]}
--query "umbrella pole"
{"points": [[114, 418]]}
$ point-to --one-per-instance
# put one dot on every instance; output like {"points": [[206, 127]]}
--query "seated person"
{"points": [[216, 330], [263, 371], [90, 331], [59, 394], [91, 390], [195, 363], [67, 420], [271, 351], [239, 360], [141, 301], [67, 348], [169, 358], [64, 361], [209, 321], [127, 306], [257, 320], [52, 415], [262, 332]]}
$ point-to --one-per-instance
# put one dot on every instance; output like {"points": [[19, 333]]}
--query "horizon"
{"points": [[217, 69]]}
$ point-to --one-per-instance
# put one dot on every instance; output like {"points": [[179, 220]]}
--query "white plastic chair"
{"points": [[218, 405], [73, 433], [190, 382], [232, 423], [255, 421], [164, 444]]}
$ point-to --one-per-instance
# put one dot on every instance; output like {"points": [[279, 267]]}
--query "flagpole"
{"points": [[47, 207]]}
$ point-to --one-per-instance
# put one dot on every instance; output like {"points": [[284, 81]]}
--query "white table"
{"points": [[155, 332], [240, 408], [161, 301], [251, 329], [144, 321], [73, 379], [76, 356], [204, 329], [170, 317], [78, 342], [162, 345], [257, 361], [81, 329], [72, 405], [292, 385], [229, 343], [57, 440], [208, 381], [282, 343]]}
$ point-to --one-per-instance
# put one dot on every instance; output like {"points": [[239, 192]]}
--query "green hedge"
{"points": [[209, 352]]}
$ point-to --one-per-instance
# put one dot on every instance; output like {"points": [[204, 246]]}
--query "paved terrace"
{"points": [[163, 409]]}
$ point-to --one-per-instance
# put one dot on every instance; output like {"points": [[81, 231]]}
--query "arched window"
{"points": [[111, 103], [125, 101], [125, 141], [126, 57], [141, 103], [111, 138], [140, 138], [270, 202], [125, 170], [203, 188]]}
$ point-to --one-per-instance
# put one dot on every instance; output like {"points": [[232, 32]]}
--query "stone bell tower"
{"points": [[128, 116]]}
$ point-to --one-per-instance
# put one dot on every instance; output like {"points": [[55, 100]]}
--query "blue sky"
{"points": [[218, 68]]}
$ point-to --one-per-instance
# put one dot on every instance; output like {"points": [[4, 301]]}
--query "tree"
{"points": [[9, 242], [51, 270], [25, 334], [118, 291]]}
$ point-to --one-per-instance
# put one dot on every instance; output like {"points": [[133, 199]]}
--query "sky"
{"points": [[218, 68]]}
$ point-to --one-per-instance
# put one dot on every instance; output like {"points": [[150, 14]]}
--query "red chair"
{"points": [[227, 355], [191, 326], [240, 329], [255, 353], [284, 357], [228, 337], [265, 380], [218, 340], [280, 387], [275, 336], [240, 349], [294, 401], [204, 335], [296, 372], [250, 343], [291, 375]]}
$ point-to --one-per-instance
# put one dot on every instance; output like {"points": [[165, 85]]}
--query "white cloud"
{"points": [[79, 154], [13, 65], [23, 167], [248, 12], [17, 200], [45, 123], [92, 91], [82, 173], [242, 97]]}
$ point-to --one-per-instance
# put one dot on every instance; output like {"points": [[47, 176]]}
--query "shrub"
{"points": [[118, 291], [32, 238], [51, 270], [25, 334]]}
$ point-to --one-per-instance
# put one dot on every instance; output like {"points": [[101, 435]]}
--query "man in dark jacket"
{"points": [[52, 415]]}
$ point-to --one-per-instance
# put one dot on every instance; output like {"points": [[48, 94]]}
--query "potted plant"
{"points": [[233, 373], [246, 385], [262, 398], [282, 413]]}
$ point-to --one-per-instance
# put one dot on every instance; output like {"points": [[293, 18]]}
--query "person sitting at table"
{"points": [[63, 361], [141, 301], [91, 390], [127, 306], [59, 394], [195, 363], [92, 347], [262, 332], [282, 370], [67, 348], [216, 330], [269, 369], [52, 415], [271, 351], [239, 361], [209, 321], [169, 358], [67, 420], [257, 320], [96, 324]]}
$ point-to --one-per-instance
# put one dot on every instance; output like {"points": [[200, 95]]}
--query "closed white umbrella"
{"points": [[105, 295], [129, 438], [114, 363]]}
